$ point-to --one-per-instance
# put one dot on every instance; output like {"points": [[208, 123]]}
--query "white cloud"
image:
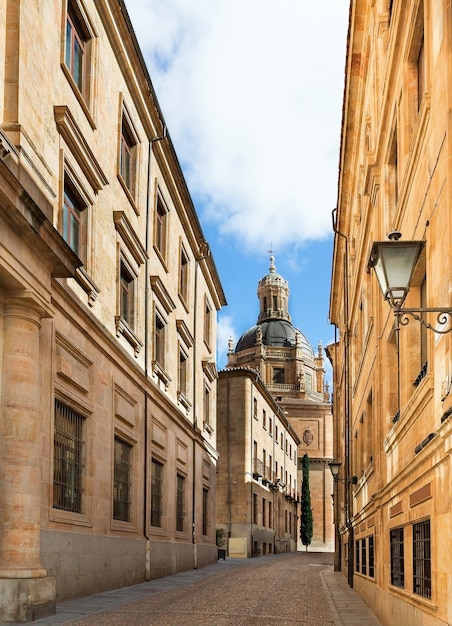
{"points": [[251, 91], [225, 331]]}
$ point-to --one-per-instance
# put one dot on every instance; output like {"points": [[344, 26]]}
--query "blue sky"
{"points": [[251, 91]]}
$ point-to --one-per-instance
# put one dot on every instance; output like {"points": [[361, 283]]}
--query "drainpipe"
{"points": [[203, 247], [347, 417], [146, 499]]}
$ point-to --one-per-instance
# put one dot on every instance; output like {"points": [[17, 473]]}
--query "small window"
{"points": [[76, 47], [183, 275], [182, 372], [159, 340], [122, 480], [264, 419], [161, 227], [156, 493], [278, 376], [127, 294], [397, 558], [371, 557], [207, 322], [255, 408], [73, 222], [357, 556], [422, 565], [206, 405], [128, 155], [68, 447], [205, 511], [363, 557], [180, 503]]}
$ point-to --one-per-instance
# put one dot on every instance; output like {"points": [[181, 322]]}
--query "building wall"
{"points": [[392, 426], [80, 325]]}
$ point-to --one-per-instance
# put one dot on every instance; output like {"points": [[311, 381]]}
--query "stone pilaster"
{"points": [[25, 589]]}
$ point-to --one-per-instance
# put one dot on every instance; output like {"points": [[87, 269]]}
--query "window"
{"points": [[183, 275], [255, 408], [128, 149], [278, 376], [422, 567], [127, 295], [206, 405], [254, 508], [207, 322], [160, 227], [159, 340], [371, 557], [180, 503], [270, 426], [122, 480], [264, 419], [264, 521], [397, 558], [68, 447], [73, 222], [357, 555], [205, 511], [363, 557], [182, 379], [156, 493], [76, 47], [392, 193]]}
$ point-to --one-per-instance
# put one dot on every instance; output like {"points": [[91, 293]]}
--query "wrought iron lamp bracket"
{"points": [[443, 316]]}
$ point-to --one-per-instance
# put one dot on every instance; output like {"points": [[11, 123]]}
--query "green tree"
{"points": [[306, 511]]}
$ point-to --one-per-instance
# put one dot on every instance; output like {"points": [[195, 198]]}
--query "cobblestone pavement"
{"points": [[288, 589]]}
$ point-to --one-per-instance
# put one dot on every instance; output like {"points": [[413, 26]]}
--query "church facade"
{"points": [[293, 374]]}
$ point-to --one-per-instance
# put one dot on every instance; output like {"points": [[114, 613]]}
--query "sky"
{"points": [[251, 92]]}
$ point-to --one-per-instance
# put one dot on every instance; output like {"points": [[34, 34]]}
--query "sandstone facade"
{"points": [[108, 300], [392, 399]]}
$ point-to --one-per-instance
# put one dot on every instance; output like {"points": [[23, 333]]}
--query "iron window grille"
{"points": [[68, 446]]}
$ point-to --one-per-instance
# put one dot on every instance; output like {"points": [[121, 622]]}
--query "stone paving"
{"points": [[276, 590]]}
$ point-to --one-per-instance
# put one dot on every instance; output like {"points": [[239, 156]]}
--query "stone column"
{"points": [[25, 590]]}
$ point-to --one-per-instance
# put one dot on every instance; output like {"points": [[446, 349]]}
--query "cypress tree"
{"points": [[306, 511]]}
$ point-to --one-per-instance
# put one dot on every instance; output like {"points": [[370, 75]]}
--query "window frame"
{"points": [[422, 559], [180, 502], [184, 271], [157, 493], [128, 156], [74, 217], [397, 554], [122, 480], [161, 219], [78, 26], [73, 490]]}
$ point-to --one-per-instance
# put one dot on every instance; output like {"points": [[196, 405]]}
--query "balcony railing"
{"points": [[258, 468]]}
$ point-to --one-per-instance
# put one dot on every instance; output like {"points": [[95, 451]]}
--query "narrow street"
{"points": [[293, 588]]}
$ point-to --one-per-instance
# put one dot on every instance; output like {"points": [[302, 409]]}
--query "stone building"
{"points": [[294, 376], [393, 371], [108, 300], [257, 489]]}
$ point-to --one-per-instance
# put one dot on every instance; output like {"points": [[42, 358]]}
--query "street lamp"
{"points": [[394, 262], [335, 467]]}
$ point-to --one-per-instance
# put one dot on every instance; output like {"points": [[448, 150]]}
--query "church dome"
{"points": [[275, 333]]}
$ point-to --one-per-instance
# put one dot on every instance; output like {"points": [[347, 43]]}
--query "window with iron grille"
{"points": [[156, 493], [68, 447], [180, 503], [363, 557], [122, 491], [397, 557], [205, 511], [371, 557], [422, 567]]}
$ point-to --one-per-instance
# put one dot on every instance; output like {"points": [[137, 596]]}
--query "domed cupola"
{"points": [[273, 292]]}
